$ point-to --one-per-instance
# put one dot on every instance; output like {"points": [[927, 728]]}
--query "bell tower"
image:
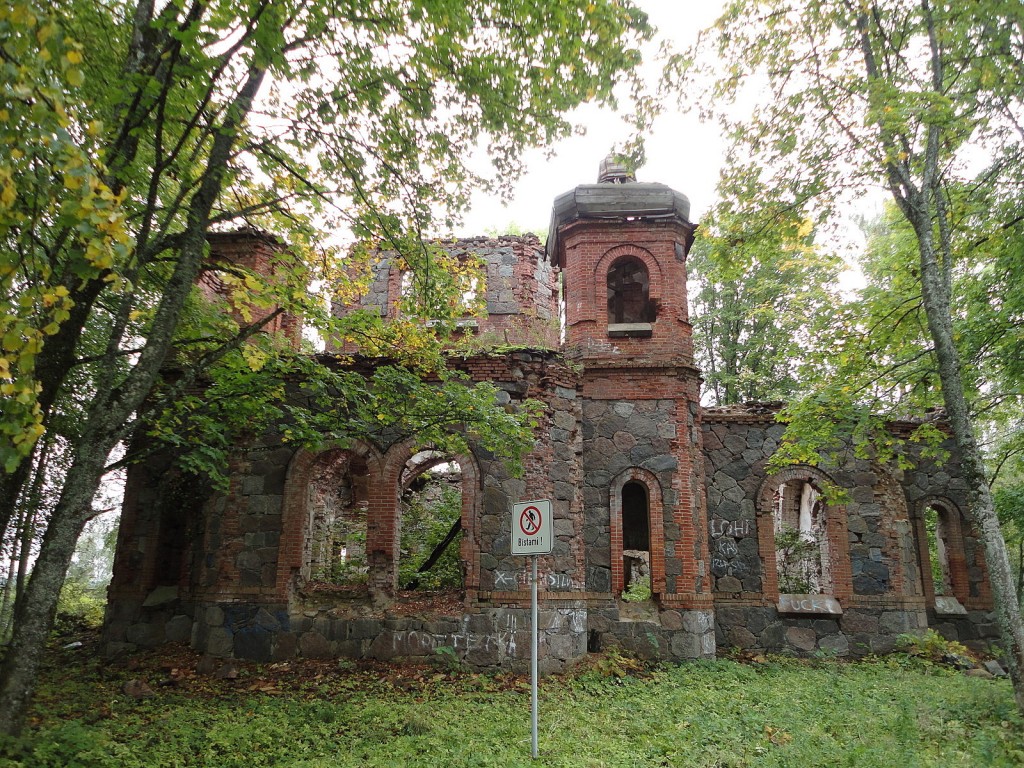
{"points": [[621, 246]]}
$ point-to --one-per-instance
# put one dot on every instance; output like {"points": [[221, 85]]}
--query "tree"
{"points": [[913, 97], [132, 131], [761, 282]]}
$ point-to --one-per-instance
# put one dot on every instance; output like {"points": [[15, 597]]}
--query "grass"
{"points": [[893, 712]]}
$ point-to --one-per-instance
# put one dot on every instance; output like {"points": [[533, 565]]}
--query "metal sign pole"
{"points": [[532, 534], [533, 655]]}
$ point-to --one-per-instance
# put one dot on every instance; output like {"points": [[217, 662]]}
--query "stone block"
{"points": [[480, 624], [859, 622], [729, 584], [685, 646], [160, 596], [803, 639], [897, 622], [253, 643], [219, 642], [838, 644], [856, 524], [739, 637], [882, 644], [560, 645], [144, 635], [178, 629], [313, 645], [671, 620], [773, 637], [698, 622], [285, 646], [366, 629]]}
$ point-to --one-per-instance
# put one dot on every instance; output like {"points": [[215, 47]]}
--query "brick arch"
{"points": [[654, 272], [956, 555], [655, 517], [472, 497], [835, 531], [295, 506]]}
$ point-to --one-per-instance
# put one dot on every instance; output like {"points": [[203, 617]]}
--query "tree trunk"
{"points": [[6, 601], [940, 326], [36, 608], [436, 554]]}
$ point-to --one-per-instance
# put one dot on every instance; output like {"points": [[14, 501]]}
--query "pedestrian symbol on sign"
{"points": [[530, 521]]}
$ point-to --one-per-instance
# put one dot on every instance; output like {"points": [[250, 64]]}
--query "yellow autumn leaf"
{"points": [[75, 57]]}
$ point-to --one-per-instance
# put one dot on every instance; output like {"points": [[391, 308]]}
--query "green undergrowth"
{"points": [[613, 712]]}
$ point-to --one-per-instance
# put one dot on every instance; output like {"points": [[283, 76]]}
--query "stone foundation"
{"points": [[857, 632]]}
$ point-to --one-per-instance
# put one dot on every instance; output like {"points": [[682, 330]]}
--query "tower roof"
{"points": [[644, 200]]}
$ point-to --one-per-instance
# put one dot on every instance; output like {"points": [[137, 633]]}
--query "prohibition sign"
{"points": [[530, 520], [531, 528]]}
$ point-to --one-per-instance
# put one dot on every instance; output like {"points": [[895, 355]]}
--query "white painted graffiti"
{"points": [[727, 548], [809, 604], [735, 528], [721, 566], [506, 579], [510, 580]]}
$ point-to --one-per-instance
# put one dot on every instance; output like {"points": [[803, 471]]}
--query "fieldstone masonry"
{"points": [[642, 480]]}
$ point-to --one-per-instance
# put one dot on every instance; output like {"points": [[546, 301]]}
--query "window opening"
{"points": [[636, 538], [936, 529], [335, 547], [629, 293], [801, 544], [431, 524]]}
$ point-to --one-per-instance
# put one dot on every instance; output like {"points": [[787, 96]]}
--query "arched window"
{"points": [[801, 543], [936, 530], [431, 523], [335, 544], [944, 556], [629, 293], [636, 537], [635, 519]]}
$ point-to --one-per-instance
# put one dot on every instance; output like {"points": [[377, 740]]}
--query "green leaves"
{"points": [[760, 286], [50, 187]]}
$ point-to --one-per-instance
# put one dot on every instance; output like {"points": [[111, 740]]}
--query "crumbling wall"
{"points": [[875, 541], [520, 290]]}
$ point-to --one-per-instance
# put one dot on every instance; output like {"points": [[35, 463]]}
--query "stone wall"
{"points": [[497, 638], [652, 633], [520, 290], [867, 629], [875, 545], [619, 435]]}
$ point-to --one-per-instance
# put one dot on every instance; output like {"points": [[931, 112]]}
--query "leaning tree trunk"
{"points": [[37, 607], [937, 308]]}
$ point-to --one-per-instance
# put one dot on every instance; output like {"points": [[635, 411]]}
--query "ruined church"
{"points": [[671, 539]]}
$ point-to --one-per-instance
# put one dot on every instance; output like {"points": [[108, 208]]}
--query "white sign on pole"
{"points": [[532, 530]]}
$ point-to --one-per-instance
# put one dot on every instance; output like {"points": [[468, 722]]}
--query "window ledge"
{"points": [[810, 604], [634, 330], [947, 605]]}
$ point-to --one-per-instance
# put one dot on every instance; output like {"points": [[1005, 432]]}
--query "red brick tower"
{"points": [[622, 247]]}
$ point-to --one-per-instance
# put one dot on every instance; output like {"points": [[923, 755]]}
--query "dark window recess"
{"points": [[636, 532], [629, 293]]}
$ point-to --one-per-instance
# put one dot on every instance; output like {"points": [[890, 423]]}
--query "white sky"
{"points": [[681, 152]]}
